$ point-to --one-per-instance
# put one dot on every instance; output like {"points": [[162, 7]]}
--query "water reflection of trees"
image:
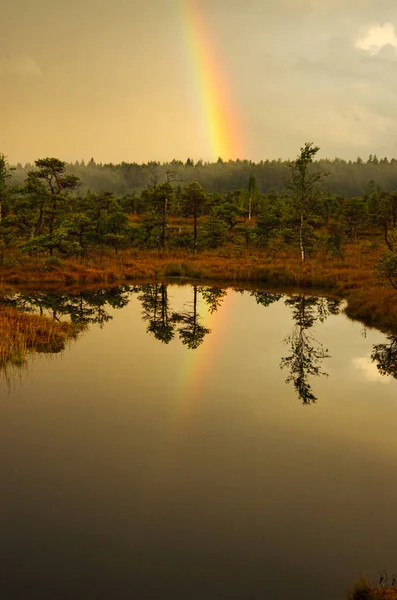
{"points": [[307, 353], [213, 297], [163, 323], [385, 355], [85, 307], [156, 311], [191, 332], [92, 307], [265, 298], [43, 321]]}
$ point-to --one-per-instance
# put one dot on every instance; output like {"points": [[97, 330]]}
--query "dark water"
{"points": [[163, 454]]}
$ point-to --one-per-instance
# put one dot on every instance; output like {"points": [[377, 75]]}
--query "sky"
{"points": [[137, 81]]}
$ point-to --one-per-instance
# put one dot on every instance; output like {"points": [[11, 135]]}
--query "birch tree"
{"points": [[303, 185]]}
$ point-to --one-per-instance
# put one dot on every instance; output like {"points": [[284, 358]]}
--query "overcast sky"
{"points": [[111, 79]]}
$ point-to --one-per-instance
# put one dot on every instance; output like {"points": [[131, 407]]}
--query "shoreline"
{"points": [[351, 278]]}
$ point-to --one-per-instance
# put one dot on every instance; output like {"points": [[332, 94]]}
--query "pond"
{"points": [[198, 443]]}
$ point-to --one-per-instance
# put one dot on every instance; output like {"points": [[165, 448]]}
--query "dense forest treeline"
{"points": [[350, 178], [50, 214]]}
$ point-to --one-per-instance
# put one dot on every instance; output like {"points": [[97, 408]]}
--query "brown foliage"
{"points": [[351, 277]]}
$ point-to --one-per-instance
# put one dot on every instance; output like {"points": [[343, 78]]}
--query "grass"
{"points": [[22, 333], [351, 277]]}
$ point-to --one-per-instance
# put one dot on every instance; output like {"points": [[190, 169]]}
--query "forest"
{"points": [[349, 178], [62, 210]]}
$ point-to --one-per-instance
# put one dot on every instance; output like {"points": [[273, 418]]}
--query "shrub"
{"points": [[51, 263]]}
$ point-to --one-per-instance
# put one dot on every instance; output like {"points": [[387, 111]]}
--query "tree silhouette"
{"points": [[265, 298], [307, 354], [156, 311], [385, 355], [83, 307], [191, 333], [213, 297]]}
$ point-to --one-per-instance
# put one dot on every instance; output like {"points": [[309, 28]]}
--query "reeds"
{"points": [[21, 333]]}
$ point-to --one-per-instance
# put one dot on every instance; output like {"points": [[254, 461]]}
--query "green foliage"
{"points": [[386, 269], [5, 176], [194, 199], [214, 233], [58, 240], [270, 220], [346, 178], [335, 241], [51, 263], [382, 209], [303, 185], [182, 240], [354, 212], [230, 212], [49, 214], [158, 198]]}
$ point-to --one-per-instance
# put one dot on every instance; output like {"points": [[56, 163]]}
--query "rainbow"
{"points": [[213, 98], [197, 365], [191, 395]]}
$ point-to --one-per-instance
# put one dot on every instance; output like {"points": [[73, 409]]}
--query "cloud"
{"points": [[370, 370], [19, 64], [377, 37]]}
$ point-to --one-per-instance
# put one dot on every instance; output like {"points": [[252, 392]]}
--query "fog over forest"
{"points": [[349, 178]]}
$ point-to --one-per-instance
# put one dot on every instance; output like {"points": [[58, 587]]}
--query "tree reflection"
{"points": [[265, 298], [213, 297], [82, 307], [163, 323], [307, 354], [191, 333], [156, 311], [385, 355]]}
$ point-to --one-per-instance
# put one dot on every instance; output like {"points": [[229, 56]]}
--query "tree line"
{"points": [[349, 178], [50, 214]]}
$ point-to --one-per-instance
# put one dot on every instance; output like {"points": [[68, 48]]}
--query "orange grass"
{"points": [[21, 333], [385, 594], [352, 277]]}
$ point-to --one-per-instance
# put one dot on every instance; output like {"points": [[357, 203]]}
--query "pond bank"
{"points": [[352, 277]]}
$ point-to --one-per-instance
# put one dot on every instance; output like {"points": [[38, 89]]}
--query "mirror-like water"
{"points": [[197, 443]]}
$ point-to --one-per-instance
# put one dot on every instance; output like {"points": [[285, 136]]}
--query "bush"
{"points": [[181, 240], [213, 233], [51, 263]]}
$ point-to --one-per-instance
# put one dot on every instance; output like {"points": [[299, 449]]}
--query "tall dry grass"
{"points": [[21, 333], [351, 277]]}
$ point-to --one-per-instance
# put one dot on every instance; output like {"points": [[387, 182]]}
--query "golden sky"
{"points": [[116, 80]]}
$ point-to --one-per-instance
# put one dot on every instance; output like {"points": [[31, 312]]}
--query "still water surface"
{"points": [[197, 444]]}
